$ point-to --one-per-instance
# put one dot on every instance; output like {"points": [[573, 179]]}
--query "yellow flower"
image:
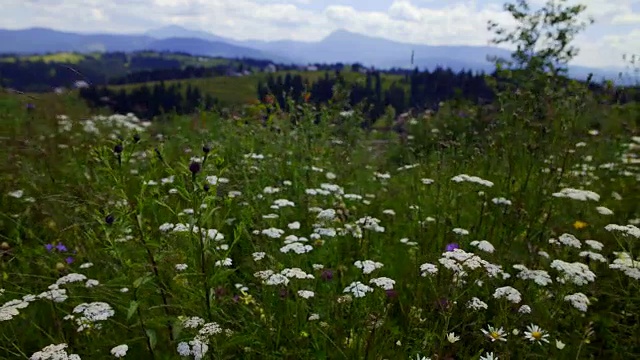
{"points": [[580, 225], [246, 298]]}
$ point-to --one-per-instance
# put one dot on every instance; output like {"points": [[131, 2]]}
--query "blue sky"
{"points": [[437, 22]]}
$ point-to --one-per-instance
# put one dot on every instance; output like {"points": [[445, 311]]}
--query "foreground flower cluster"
{"points": [[178, 246]]}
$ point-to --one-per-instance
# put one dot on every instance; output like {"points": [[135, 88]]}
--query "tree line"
{"points": [[149, 101], [416, 90]]}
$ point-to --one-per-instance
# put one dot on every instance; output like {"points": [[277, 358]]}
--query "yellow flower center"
{"points": [[495, 335], [536, 335]]}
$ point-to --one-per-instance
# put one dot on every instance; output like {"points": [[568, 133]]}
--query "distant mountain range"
{"points": [[340, 46]]}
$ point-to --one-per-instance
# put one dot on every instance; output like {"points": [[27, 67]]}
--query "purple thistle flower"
{"points": [[327, 275], [60, 247], [452, 246], [391, 294]]}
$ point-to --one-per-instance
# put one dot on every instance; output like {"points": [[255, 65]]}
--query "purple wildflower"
{"points": [[327, 275], [49, 247], [452, 246], [69, 260], [60, 247]]}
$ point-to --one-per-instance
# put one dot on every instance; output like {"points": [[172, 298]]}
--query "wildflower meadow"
{"points": [[206, 237]]}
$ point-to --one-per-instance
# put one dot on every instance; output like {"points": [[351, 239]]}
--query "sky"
{"points": [[616, 30]]}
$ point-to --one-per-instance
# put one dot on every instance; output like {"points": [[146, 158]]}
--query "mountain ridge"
{"points": [[340, 46]]}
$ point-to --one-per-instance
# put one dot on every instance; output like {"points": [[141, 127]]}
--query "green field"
{"points": [[63, 57], [215, 236], [507, 242], [75, 58], [233, 90]]}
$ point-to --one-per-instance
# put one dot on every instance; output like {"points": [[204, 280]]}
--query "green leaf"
{"points": [[133, 306], [141, 281], [153, 340]]}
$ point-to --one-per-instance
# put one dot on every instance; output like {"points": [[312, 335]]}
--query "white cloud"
{"points": [[416, 21]]}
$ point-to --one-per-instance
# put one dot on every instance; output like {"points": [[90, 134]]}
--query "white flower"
{"points": [[569, 240], [524, 309], [383, 282], [257, 256], [226, 262], [495, 334], [184, 349], [181, 267], [54, 352], [576, 272], [120, 350], [91, 283], [626, 230], [71, 278], [483, 245], [579, 301], [559, 344], [16, 194], [209, 329], [576, 194], [428, 269], [509, 293], [294, 225], [368, 266], [477, 304], [501, 201], [472, 179], [279, 203], [488, 356], [452, 337], [296, 247], [358, 289], [273, 233], [296, 273], [306, 294], [604, 211], [535, 334], [540, 277], [593, 256], [595, 245], [461, 231], [192, 322], [389, 212], [54, 294]]}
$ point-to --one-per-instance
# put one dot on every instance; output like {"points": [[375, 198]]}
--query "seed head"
{"points": [[109, 219], [195, 167], [117, 149]]}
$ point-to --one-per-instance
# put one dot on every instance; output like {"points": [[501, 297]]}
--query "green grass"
{"points": [[232, 90], [91, 198], [61, 57]]}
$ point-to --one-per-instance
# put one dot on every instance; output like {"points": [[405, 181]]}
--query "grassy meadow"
{"points": [[226, 239], [237, 91]]}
